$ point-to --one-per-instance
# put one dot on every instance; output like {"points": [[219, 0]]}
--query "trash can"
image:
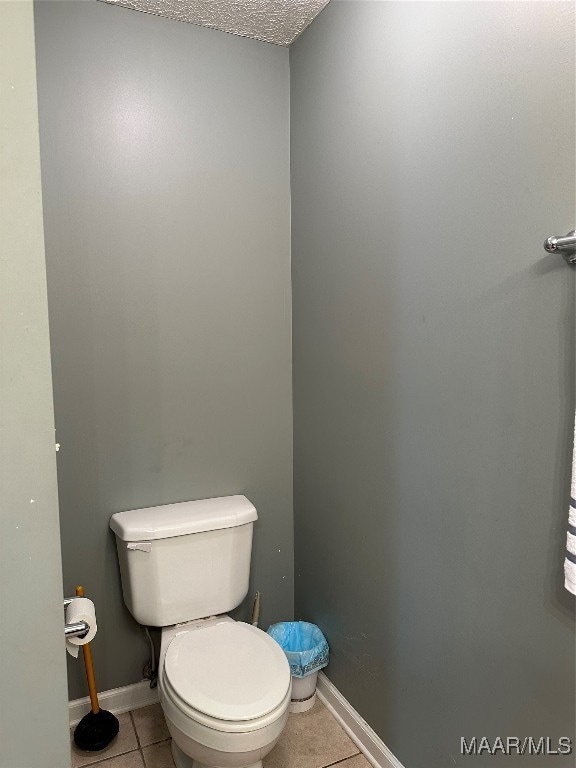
{"points": [[307, 652]]}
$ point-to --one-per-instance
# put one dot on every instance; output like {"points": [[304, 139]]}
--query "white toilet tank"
{"points": [[186, 561]]}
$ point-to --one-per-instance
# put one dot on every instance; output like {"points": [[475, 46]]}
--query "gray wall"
{"points": [[432, 153], [33, 700], [165, 166]]}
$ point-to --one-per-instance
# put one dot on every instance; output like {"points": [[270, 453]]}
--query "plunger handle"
{"points": [[89, 666]]}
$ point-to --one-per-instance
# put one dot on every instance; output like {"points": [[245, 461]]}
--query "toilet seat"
{"points": [[228, 676], [189, 718]]}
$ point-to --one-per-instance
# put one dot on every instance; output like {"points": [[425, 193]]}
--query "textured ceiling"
{"points": [[275, 21]]}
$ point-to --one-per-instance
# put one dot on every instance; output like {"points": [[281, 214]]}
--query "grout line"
{"points": [[159, 741], [339, 762], [140, 749], [135, 729]]}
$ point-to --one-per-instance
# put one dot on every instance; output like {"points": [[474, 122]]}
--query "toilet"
{"points": [[224, 685]]}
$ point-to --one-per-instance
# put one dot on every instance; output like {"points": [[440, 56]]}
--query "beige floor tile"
{"points": [[129, 760], [124, 742], [354, 762], [311, 740], [150, 725], [159, 755]]}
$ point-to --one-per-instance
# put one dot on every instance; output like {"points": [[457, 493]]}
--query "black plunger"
{"points": [[96, 729]]}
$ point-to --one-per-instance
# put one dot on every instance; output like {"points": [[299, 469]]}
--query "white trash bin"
{"points": [[303, 693], [307, 652]]}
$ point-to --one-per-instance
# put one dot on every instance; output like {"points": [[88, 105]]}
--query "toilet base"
{"points": [[184, 761]]}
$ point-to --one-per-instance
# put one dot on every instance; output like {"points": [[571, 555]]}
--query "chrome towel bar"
{"points": [[565, 245]]}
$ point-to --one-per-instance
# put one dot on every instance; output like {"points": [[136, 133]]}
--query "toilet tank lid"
{"points": [[183, 518]]}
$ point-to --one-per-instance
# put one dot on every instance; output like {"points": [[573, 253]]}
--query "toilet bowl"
{"points": [[225, 691]]}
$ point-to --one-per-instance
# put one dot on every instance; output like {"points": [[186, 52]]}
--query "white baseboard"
{"points": [[368, 742], [117, 700]]}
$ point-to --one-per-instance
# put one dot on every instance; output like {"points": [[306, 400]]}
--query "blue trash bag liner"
{"points": [[304, 645]]}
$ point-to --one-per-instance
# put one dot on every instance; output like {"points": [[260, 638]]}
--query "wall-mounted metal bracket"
{"points": [[76, 629], [566, 246]]}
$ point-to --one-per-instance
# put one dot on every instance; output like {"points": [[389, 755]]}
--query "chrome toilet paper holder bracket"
{"points": [[77, 628]]}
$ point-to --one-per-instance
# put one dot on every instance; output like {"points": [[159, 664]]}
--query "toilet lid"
{"points": [[229, 671]]}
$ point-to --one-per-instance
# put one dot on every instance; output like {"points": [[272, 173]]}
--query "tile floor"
{"points": [[310, 740]]}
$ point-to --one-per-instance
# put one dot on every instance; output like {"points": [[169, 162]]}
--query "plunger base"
{"points": [[95, 731]]}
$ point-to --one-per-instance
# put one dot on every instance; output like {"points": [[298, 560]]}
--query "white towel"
{"points": [[570, 562]]}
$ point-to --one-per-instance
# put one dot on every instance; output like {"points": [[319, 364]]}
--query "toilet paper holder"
{"points": [[76, 629]]}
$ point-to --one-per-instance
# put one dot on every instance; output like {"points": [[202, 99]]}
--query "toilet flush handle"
{"points": [[143, 546]]}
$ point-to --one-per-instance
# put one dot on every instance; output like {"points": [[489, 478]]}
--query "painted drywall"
{"points": [[165, 168], [432, 153], [33, 697]]}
